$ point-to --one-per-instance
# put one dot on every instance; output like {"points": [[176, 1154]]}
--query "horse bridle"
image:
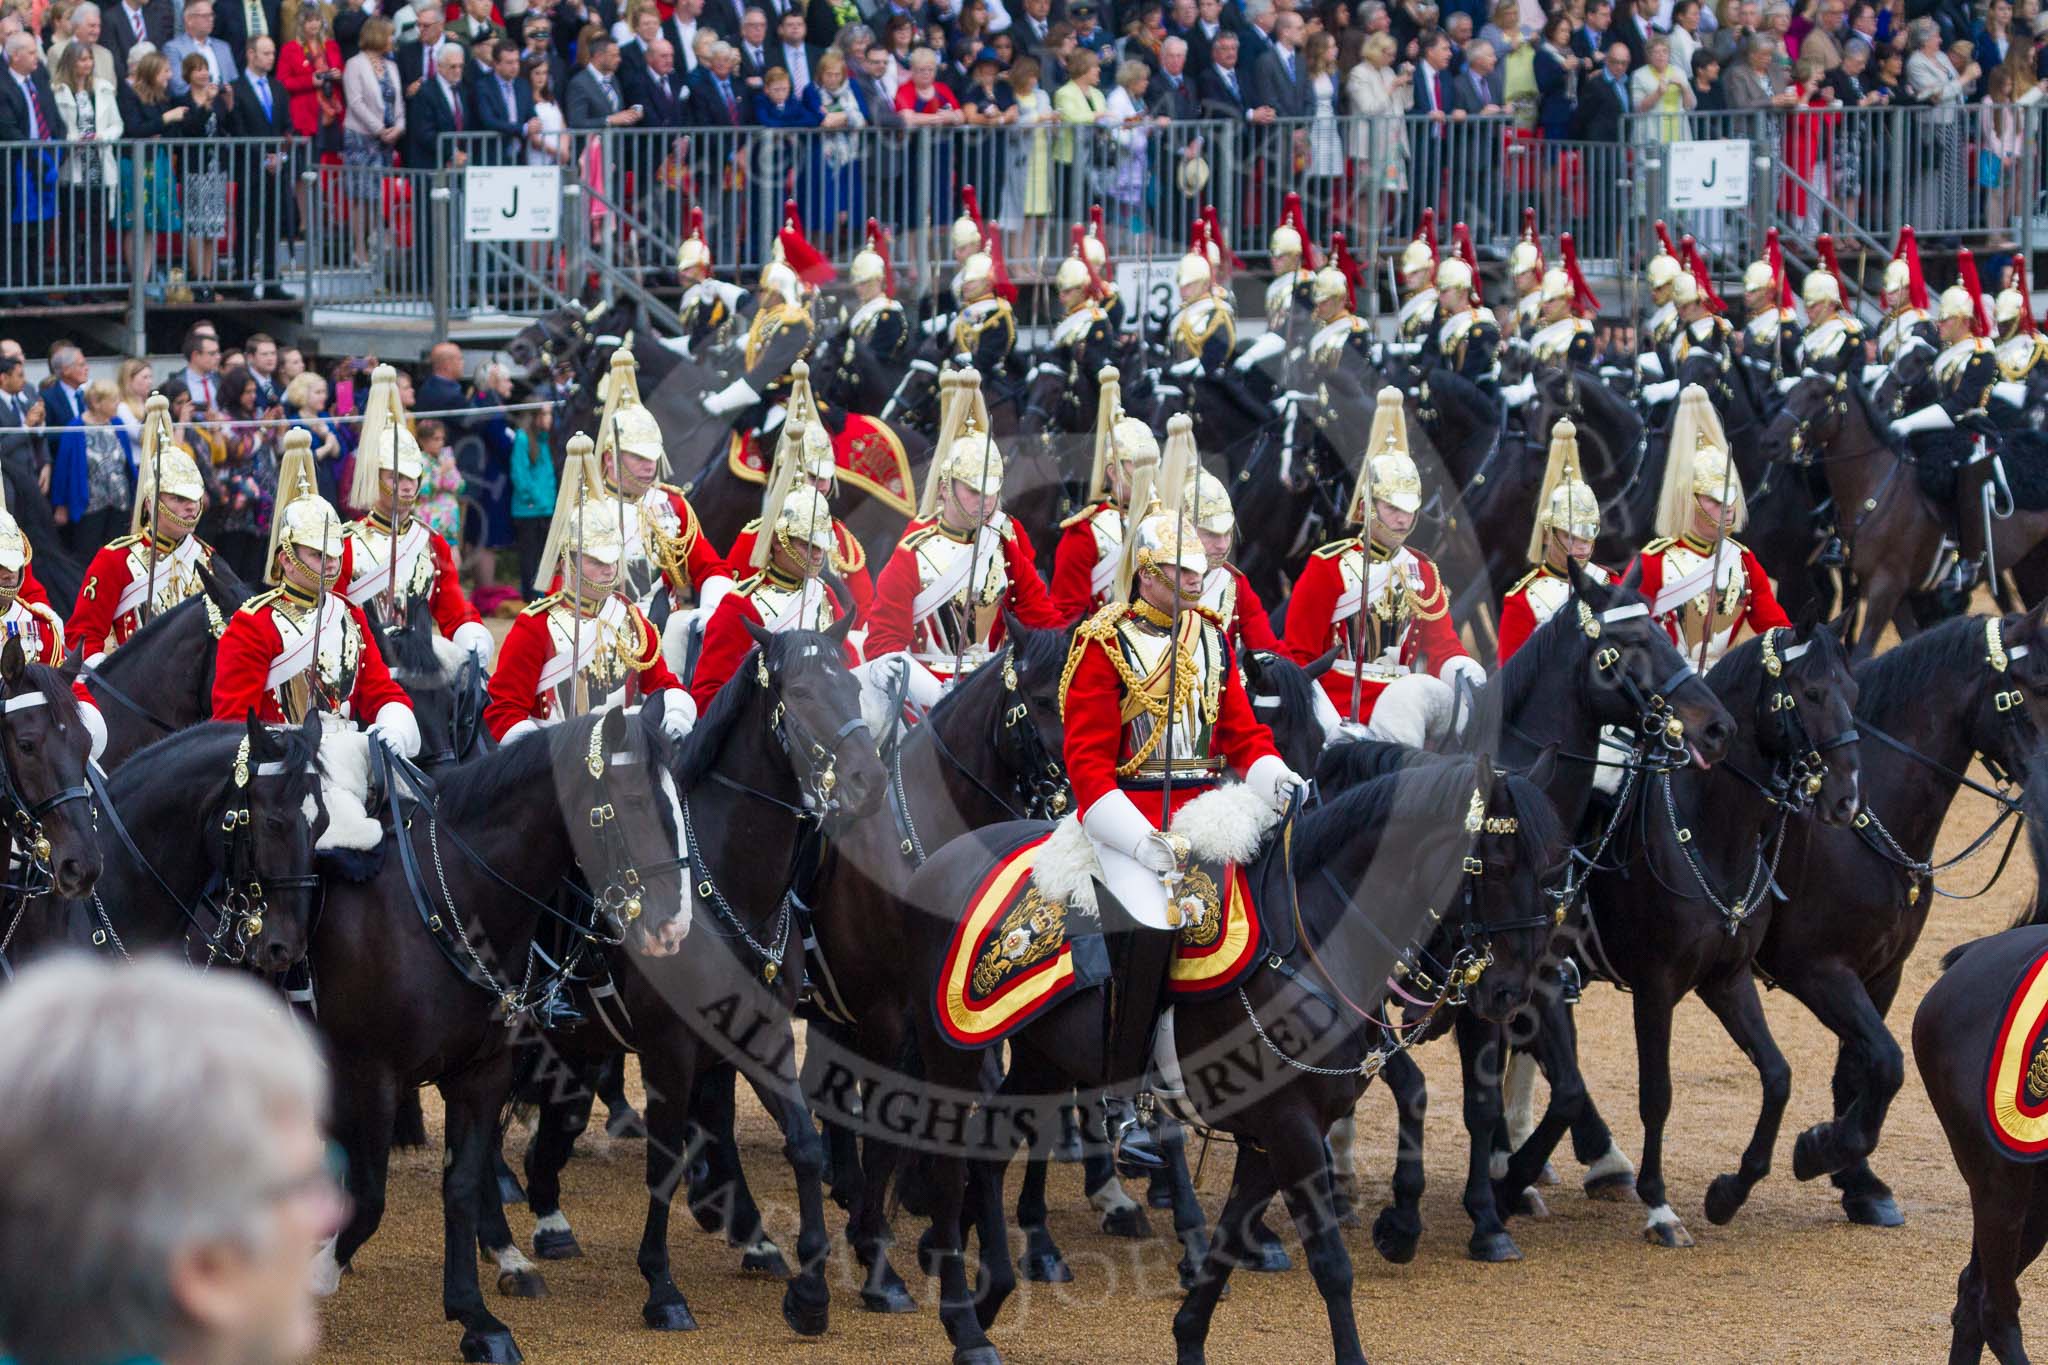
{"points": [[1834, 410], [817, 761], [24, 818], [619, 899], [1802, 761]]}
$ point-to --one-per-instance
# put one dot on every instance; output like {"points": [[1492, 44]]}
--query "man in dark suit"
{"points": [[794, 54], [441, 106], [595, 100], [235, 26], [124, 24], [259, 108], [1590, 41], [64, 390], [21, 406], [1434, 100], [1281, 76], [504, 104], [717, 99], [28, 111], [680, 28], [660, 88], [419, 60], [1477, 90], [1603, 102], [753, 47], [1029, 29], [1173, 94], [1224, 91], [1202, 37]]}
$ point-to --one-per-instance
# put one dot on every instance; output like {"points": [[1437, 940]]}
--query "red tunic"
{"points": [[1092, 707], [93, 621], [450, 605], [252, 641], [1521, 612], [702, 561], [1312, 628], [32, 589], [1074, 560], [727, 640], [1249, 626], [42, 635], [849, 561], [1760, 613], [516, 693], [890, 623]]}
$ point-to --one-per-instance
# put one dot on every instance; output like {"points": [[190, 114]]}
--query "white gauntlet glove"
{"points": [[731, 398], [678, 713], [475, 637], [1274, 781], [398, 727]]}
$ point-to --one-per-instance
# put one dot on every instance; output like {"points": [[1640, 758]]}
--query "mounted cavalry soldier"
{"points": [[985, 330], [1770, 336], [1833, 343], [156, 565], [1382, 605], [711, 308], [1661, 330], [1947, 417], [1525, 272], [1096, 252], [1203, 334], [1121, 485], [389, 470], [1288, 295], [805, 441], [876, 344], [1563, 339], [1416, 319], [1702, 584], [1567, 524], [1338, 355], [1907, 322], [1700, 329], [1226, 593], [2020, 343], [303, 647], [586, 644], [939, 601], [1466, 340], [36, 625], [1155, 711], [668, 564], [778, 337], [1082, 342], [792, 586]]}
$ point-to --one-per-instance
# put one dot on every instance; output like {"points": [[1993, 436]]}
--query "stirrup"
{"points": [[556, 1013], [1135, 1153], [1569, 981]]}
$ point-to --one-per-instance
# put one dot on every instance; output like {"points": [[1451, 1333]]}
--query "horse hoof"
{"points": [[1494, 1248], [625, 1122], [509, 1192], [1812, 1156], [977, 1355], [1395, 1238], [890, 1298], [556, 1244], [522, 1284], [1725, 1197], [1128, 1222], [1269, 1258], [1666, 1231], [1548, 1175], [669, 1317], [1531, 1204], [1873, 1210], [767, 1261], [1619, 1188], [808, 1315], [1046, 1267], [495, 1347]]}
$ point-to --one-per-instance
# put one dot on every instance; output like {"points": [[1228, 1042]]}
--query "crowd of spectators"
{"points": [[1045, 105], [492, 469]]}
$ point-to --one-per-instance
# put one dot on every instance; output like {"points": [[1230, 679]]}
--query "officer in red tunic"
{"points": [[389, 469], [1567, 524], [587, 644], [37, 626], [1120, 486], [790, 589], [156, 565], [1382, 605], [1702, 584], [303, 647], [1226, 592], [1154, 711], [939, 601], [805, 440]]}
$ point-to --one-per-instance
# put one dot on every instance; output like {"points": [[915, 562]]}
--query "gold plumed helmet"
{"points": [[163, 467], [868, 266], [1758, 277], [301, 518], [1897, 275], [385, 443], [980, 268], [1416, 256], [585, 515], [1208, 505], [1389, 474], [806, 519], [2007, 307], [778, 278], [1556, 285], [694, 254], [1525, 259], [1819, 286], [1956, 302], [1193, 270], [1453, 274], [1073, 274], [1285, 241], [966, 233], [1159, 541], [1120, 437], [1663, 269], [1699, 463], [966, 449], [626, 423], [1565, 503]]}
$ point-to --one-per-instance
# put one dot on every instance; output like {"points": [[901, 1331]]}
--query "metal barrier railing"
{"points": [[124, 225]]}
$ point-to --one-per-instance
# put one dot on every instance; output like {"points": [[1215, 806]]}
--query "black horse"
{"points": [[46, 807], [419, 967], [161, 680], [781, 750]]}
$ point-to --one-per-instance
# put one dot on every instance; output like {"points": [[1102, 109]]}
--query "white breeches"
{"points": [[1413, 710]]}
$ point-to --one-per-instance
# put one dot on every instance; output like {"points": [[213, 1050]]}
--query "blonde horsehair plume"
{"points": [[620, 381], [1389, 432], [781, 479], [373, 444], [1562, 468], [580, 475], [295, 479], [1179, 466], [1108, 408], [954, 406], [157, 435], [1696, 440]]}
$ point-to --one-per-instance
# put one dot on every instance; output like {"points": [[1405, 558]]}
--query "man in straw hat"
{"points": [[1121, 485], [669, 563], [1567, 524], [587, 644], [390, 559], [806, 443], [792, 587], [940, 600], [156, 565], [302, 647], [1702, 584], [1381, 604], [1155, 711]]}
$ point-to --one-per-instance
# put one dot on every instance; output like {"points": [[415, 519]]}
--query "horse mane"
{"points": [[1594, 394], [693, 760], [1290, 682], [161, 624], [480, 786], [1044, 648], [210, 743], [1421, 786], [1740, 671], [1542, 653], [1880, 425], [55, 687], [410, 649], [1905, 675]]}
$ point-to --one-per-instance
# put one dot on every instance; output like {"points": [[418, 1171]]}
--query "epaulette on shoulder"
{"points": [[259, 602], [918, 535], [541, 606], [1335, 548], [1660, 545], [856, 555], [124, 542], [1102, 625], [1526, 579], [752, 528], [1086, 514]]}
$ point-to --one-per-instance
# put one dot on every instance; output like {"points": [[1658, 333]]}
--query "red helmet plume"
{"points": [[1691, 258], [1292, 216], [1916, 278], [798, 254], [1584, 300]]}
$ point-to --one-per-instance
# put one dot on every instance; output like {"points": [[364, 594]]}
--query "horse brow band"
{"points": [[624, 760], [25, 701], [1265, 699], [2016, 652], [1796, 650], [1626, 612]]}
